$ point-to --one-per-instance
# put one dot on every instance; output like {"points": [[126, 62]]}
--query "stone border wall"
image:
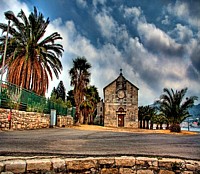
{"points": [[100, 165], [21, 120]]}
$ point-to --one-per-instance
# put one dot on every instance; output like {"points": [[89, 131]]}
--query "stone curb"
{"points": [[94, 165]]}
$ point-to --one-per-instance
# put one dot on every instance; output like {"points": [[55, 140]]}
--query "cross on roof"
{"points": [[120, 71]]}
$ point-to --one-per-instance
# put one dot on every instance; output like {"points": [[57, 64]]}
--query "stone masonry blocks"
{"points": [[125, 161], [38, 164], [22, 120], [2, 165], [100, 165], [16, 166], [80, 164]]}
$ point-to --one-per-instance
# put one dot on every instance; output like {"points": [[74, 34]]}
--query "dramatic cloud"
{"points": [[195, 58], [153, 53], [158, 41], [107, 25], [185, 11], [182, 33]]}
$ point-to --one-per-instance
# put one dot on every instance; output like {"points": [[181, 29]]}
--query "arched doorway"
{"points": [[121, 115]]}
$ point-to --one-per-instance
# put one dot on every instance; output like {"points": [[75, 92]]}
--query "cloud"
{"points": [[151, 57], [193, 50], [150, 68], [182, 33], [107, 24], [132, 12], [166, 20], [192, 73], [158, 41], [81, 3], [96, 2], [7, 5], [140, 62], [195, 58], [188, 12], [180, 9]]}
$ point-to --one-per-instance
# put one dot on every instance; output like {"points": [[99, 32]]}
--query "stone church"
{"points": [[120, 108]]}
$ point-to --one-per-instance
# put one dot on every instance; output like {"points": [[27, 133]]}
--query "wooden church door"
{"points": [[120, 120]]}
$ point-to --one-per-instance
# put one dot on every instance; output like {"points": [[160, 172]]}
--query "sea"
{"points": [[184, 126], [192, 129]]}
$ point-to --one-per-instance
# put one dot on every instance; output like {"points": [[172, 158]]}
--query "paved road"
{"points": [[72, 142]]}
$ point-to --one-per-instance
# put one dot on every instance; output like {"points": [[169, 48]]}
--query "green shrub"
{"points": [[175, 128]]}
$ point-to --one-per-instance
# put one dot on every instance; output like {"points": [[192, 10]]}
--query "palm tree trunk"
{"points": [[140, 124], [157, 126], [81, 118], [151, 125], [143, 127], [147, 126], [167, 126], [77, 116]]}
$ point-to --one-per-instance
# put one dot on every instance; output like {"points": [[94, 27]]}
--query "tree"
{"points": [[90, 104], [61, 91], [70, 97], [152, 115], [171, 105], [85, 108], [80, 78], [57, 102], [159, 119], [54, 93], [31, 59], [93, 97], [143, 115]]}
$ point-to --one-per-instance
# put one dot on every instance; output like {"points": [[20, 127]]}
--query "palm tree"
{"points": [[141, 114], [171, 104], [85, 109], [93, 98], [159, 119], [152, 115], [80, 78], [31, 58], [144, 116]]}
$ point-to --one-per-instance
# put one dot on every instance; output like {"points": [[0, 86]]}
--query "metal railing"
{"points": [[15, 97]]}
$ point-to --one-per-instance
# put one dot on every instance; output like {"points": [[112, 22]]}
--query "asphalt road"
{"points": [[72, 142]]}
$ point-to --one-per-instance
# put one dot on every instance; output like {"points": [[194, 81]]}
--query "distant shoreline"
{"points": [[191, 129]]}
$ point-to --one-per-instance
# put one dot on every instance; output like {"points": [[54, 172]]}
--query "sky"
{"points": [[156, 43]]}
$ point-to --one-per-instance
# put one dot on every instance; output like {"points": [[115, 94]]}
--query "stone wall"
{"points": [[63, 121], [100, 165], [22, 120]]}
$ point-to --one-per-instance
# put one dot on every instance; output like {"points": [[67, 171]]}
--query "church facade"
{"points": [[121, 103]]}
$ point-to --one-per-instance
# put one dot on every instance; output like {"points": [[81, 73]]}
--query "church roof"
{"points": [[121, 76]]}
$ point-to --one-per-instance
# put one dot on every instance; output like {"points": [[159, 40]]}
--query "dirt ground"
{"points": [[123, 129]]}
